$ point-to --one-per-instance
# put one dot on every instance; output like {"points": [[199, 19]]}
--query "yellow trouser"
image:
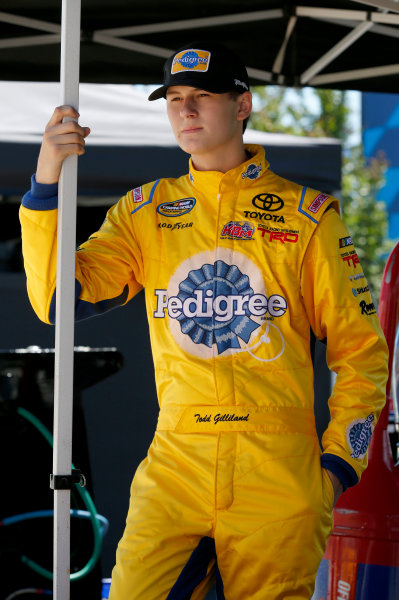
{"points": [[262, 496]]}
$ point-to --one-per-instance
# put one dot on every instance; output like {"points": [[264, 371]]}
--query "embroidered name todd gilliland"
{"points": [[220, 418]]}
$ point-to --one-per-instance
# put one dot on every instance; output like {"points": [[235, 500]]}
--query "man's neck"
{"points": [[220, 161]]}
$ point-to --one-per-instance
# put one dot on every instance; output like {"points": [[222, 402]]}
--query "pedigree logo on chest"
{"points": [[216, 304], [176, 208]]}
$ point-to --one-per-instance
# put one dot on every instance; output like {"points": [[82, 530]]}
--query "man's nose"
{"points": [[188, 108]]}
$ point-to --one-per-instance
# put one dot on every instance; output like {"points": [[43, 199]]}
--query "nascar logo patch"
{"points": [[191, 60]]}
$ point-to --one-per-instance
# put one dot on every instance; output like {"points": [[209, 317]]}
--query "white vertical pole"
{"points": [[65, 296]]}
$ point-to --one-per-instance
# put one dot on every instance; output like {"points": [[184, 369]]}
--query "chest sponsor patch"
{"points": [[268, 202], [272, 235], [318, 202], [358, 435], [176, 208], [238, 230], [216, 307]]}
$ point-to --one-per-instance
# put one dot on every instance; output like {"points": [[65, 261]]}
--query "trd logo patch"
{"points": [[279, 236], [352, 259], [268, 202]]}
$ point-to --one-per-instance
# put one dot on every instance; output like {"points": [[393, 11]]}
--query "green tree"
{"points": [[364, 215], [314, 112]]}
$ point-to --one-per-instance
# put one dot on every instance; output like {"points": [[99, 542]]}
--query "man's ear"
{"points": [[244, 106]]}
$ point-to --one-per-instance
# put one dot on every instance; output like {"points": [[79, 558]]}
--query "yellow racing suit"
{"points": [[241, 271]]}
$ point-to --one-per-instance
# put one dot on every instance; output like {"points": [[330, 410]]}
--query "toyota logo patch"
{"points": [[268, 202]]}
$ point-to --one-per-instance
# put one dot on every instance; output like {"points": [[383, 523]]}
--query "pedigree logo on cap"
{"points": [[191, 60]]}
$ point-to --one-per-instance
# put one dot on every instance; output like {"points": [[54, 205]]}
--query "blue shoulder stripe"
{"points": [[300, 209], [149, 199]]}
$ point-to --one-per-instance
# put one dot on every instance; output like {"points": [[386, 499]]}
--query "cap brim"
{"points": [[215, 88], [158, 93]]}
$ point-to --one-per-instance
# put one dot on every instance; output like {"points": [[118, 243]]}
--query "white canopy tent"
{"points": [[131, 142]]}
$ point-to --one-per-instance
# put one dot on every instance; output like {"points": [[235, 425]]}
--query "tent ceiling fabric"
{"points": [[343, 44]]}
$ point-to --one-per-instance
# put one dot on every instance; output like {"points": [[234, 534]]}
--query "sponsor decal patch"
{"points": [[138, 194], [176, 208], [279, 236], [318, 202], [360, 290], [191, 60], [252, 171], [357, 276], [367, 308], [268, 202], [263, 216], [215, 308], [240, 230], [241, 83], [351, 259], [346, 241], [173, 226], [358, 435]]}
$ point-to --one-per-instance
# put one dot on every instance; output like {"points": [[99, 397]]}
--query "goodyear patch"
{"points": [[191, 60], [176, 208]]}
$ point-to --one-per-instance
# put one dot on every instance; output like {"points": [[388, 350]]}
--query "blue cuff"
{"points": [[343, 470], [42, 196]]}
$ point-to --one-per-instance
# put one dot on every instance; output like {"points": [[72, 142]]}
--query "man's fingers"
{"points": [[74, 140], [60, 113], [66, 127]]}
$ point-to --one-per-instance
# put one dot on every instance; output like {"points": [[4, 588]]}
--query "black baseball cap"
{"points": [[204, 65]]}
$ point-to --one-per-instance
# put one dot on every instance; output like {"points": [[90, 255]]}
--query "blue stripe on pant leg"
{"points": [[195, 571]]}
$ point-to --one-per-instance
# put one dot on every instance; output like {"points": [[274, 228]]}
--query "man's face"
{"points": [[203, 122]]}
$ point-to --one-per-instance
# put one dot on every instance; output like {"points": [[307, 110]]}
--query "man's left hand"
{"points": [[337, 485]]}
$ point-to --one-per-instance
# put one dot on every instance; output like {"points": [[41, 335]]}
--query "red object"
{"points": [[362, 557]]}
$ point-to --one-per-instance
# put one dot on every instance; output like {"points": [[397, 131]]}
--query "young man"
{"points": [[242, 270]]}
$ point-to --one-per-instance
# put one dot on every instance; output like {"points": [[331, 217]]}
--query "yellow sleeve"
{"points": [[109, 268], [340, 308]]}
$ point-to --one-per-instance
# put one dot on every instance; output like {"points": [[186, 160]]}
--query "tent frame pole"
{"points": [[65, 302]]}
